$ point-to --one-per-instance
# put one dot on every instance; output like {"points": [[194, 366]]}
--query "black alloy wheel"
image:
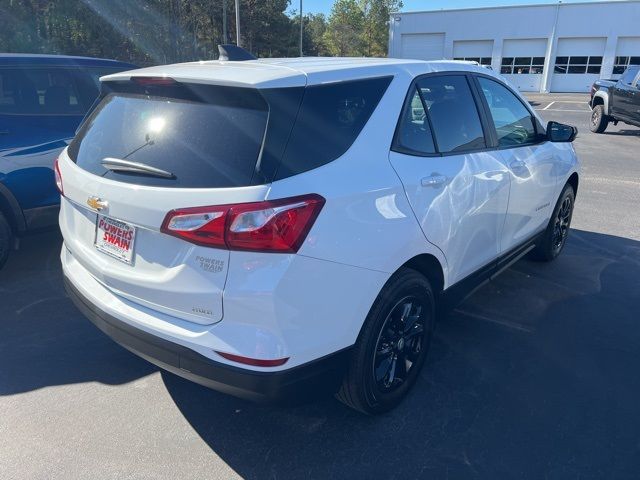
{"points": [[554, 238], [562, 223], [400, 344], [392, 346]]}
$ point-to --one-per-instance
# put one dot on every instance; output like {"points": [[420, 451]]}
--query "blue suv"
{"points": [[43, 99]]}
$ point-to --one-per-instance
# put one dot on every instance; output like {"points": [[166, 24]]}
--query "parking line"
{"points": [[548, 105], [504, 323], [562, 110]]}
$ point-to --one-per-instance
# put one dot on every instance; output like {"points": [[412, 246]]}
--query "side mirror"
{"points": [[559, 132]]}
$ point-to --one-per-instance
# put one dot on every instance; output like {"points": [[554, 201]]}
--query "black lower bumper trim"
{"points": [[285, 386]]}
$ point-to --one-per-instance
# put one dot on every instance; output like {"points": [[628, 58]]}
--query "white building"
{"points": [[547, 48]]}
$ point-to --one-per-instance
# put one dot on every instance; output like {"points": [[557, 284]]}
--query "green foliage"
{"points": [[359, 27], [148, 32], [344, 29]]}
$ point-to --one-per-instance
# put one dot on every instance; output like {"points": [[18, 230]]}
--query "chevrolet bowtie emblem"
{"points": [[97, 203]]}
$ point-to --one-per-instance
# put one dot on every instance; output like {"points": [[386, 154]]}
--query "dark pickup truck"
{"points": [[616, 101]]}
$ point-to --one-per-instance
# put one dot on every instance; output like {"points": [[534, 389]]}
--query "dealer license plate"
{"points": [[115, 238]]}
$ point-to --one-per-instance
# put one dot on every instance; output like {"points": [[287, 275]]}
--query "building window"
{"points": [[480, 60], [522, 65], [578, 65], [623, 62]]}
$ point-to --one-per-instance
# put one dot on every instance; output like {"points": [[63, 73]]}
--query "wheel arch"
{"points": [[11, 209], [601, 98], [429, 266], [574, 180]]}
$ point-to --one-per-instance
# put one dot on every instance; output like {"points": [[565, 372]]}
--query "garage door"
{"points": [[473, 50], [423, 46], [627, 53], [577, 64], [523, 62]]}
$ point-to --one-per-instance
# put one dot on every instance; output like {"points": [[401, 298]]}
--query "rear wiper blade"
{"points": [[120, 165]]}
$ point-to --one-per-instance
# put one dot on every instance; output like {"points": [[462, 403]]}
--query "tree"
{"points": [[343, 36], [316, 26], [147, 32], [375, 30], [360, 27]]}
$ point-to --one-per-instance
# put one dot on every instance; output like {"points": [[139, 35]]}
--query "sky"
{"points": [[324, 6]]}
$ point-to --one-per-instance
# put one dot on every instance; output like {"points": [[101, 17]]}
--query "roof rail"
{"points": [[234, 53]]}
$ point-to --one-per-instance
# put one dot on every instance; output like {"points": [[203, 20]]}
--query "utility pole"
{"points": [[301, 27], [238, 22], [225, 37]]}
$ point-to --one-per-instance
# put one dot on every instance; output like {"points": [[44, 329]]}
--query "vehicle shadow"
{"points": [[533, 376], [623, 133], [44, 339]]}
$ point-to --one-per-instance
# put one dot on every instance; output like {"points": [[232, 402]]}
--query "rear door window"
{"points": [[212, 139], [413, 135], [453, 113]]}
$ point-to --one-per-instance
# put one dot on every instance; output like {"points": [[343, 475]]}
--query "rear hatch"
{"points": [[152, 146]]}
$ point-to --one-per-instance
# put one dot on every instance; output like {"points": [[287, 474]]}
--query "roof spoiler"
{"points": [[234, 53]]}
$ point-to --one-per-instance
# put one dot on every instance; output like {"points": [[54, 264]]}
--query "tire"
{"points": [[6, 239], [398, 328], [555, 235], [599, 119]]}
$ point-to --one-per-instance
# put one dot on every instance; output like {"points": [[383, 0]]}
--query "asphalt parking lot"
{"points": [[534, 376]]}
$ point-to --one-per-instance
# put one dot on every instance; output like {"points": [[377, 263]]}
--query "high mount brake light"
{"points": [[56, 171], [154, 81], [269, 226]]}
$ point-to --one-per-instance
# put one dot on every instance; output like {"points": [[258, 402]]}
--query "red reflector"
{"points": [[270, 226], [154, 81], [253, 361], [56, 171]]}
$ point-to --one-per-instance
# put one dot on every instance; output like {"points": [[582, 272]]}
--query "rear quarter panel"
{"points": [[27, 153], [367, 221]]}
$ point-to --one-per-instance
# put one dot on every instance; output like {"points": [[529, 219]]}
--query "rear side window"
{"points": [[453, 113], [208, 140], [49, 91], [330, 119], [39, 91], [413, 136], [629, 75], [514, 123]]}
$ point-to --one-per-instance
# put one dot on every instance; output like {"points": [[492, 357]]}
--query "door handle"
{"points": [[433, 181], [517, 164]]}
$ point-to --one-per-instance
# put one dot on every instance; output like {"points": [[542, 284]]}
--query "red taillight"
{"points": [[269, 226], [154, 81], [256, 362], [56, 171]]}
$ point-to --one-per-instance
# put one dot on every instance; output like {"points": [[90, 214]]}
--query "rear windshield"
{"points": [[215, 136], [208, 144]]}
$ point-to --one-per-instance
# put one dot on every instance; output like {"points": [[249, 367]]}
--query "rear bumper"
{"points": [[289, 386]]}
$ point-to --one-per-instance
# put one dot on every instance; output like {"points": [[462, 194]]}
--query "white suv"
{"points": [[270, 227]]}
